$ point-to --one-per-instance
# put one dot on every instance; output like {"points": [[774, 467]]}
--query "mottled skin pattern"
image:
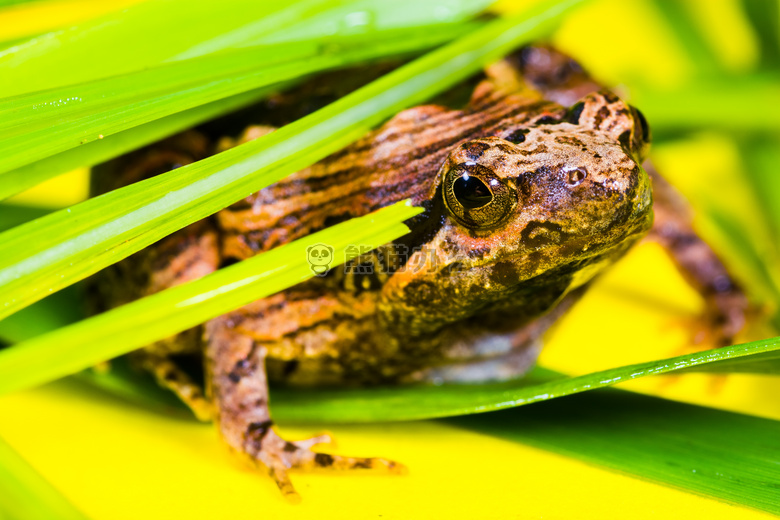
{"points": [[525, 199]]}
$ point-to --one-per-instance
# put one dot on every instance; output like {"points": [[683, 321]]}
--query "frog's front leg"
{"points": [[726, 306], [238, 386]]}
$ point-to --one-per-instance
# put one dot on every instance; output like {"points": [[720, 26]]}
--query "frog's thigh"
{"points": [[238, 386], [726, 304]]}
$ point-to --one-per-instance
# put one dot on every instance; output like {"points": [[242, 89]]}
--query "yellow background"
{"points": [[117, 461]]}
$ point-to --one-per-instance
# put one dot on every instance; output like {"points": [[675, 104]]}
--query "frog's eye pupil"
{"points": [[476, 197], [471, 192]]}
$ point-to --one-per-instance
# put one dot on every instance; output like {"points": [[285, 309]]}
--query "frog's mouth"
{"points": [[548, 256]]}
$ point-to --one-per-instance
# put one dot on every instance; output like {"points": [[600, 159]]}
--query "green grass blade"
{"points": [[38, 125], [126, 382], [425, 402], [8, 3], [54, 311], [95, 152], [12, 215], [343, 18], [765, 17], [742, 105], [76, 347], [762, 157], [43, 256], [110, 45], [681, 20], [722, 455], [757, 261], [25, 494]]}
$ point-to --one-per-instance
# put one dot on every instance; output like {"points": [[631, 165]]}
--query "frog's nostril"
{"points": [[576, 176]]}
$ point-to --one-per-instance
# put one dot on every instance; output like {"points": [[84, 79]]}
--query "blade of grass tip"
{"points": [[42, 124], [426, 402], [717, 454], [767, 363], [139, 323], [25, 494], [43, 256]]}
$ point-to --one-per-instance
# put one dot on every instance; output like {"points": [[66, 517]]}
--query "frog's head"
{"points": [[545, 202]]}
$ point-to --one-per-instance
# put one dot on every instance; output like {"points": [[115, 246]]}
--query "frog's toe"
{"points": [[320, 438], [299, 454], [278, 456], [279, 473], [326, 460]]}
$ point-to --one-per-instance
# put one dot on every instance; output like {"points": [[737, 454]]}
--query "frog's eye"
{"points": [[476, 197]]}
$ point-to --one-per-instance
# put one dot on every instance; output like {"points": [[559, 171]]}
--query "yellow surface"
{"points": [[63, 190], [117, 461]]}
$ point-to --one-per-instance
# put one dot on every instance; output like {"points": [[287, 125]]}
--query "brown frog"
{"points": [[529, 191]]}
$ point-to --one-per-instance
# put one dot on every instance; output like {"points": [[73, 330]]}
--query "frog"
{"points": [[531, 189]]}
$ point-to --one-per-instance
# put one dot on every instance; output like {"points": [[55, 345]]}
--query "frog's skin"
{"points": [[567, 197]]}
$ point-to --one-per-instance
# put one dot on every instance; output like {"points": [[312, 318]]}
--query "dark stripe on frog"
{"points": [[291, 296], [408, 178], [538, 233], [602, 114], [373, 199], [323, 460], [379, 196], [407, 182], [255, 433], [334, 319], [348, 154]]}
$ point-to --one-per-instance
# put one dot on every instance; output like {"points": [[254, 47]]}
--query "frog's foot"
{"points": [[236, 364], [277, 455], [722, 323]]}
